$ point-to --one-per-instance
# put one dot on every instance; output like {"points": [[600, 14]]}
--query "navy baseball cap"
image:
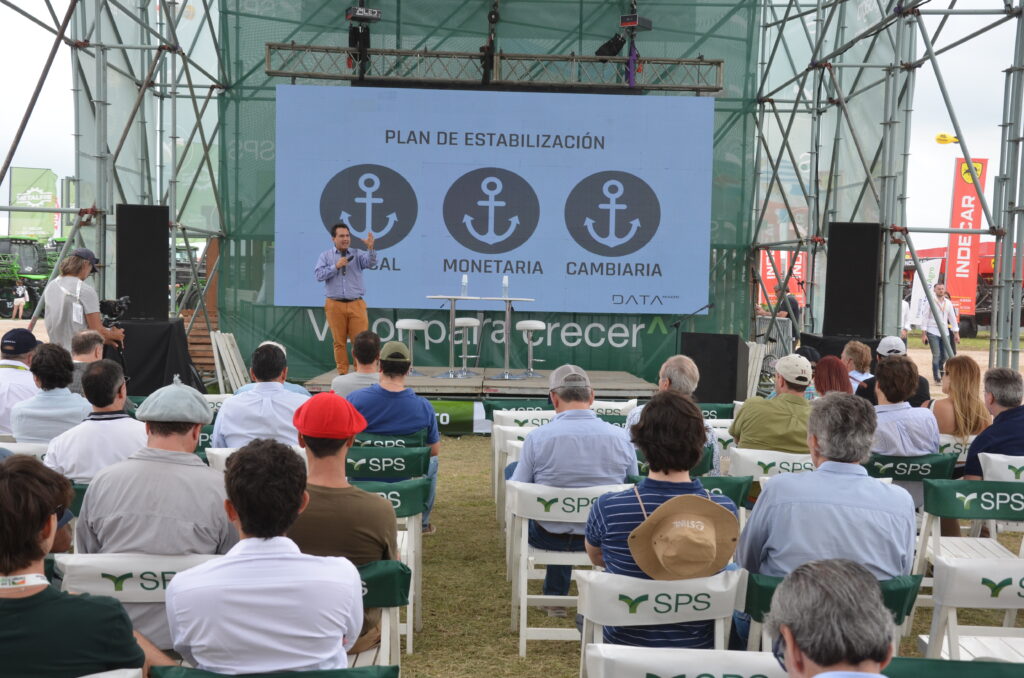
{"points": [[88, 255], [18, 341]]}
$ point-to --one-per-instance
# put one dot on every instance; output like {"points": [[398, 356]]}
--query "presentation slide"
{"points": [[587, 203]]}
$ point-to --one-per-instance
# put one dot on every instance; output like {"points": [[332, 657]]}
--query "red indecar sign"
{"points": [[961, 256], [782, 259]]}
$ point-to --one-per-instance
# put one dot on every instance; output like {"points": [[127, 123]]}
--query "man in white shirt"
{"points": [[266, 411], [16, 383], [265, 607], [107, 436], [366, 353], [931, 332]]}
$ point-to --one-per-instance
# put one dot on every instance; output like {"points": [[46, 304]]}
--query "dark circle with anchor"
{"points": [[491, 210], [612, 214], [370, 198]]}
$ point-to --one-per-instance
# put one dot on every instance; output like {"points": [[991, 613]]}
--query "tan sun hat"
{"points": [[685, 538]]}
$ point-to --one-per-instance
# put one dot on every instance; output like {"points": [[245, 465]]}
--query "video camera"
{"points": [[114, 310]]}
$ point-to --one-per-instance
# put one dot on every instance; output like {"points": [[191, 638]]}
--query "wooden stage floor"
{"points": [[606, 384]]}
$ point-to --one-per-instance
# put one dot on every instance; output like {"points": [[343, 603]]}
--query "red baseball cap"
{"points": [[328, 415]]}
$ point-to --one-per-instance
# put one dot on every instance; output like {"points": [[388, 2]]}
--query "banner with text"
{"points": [[33, 187], [588, 203], [962, 254], [782, 259]]}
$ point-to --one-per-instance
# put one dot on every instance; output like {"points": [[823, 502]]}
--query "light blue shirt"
{"points": [[288, 386], [47, 414], [347, 285], [265, 411], [835, 511], [633, 418], [905, 431], [575, 449]]}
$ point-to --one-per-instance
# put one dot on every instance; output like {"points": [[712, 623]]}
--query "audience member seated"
{"points": [[894, 347], [265, 607], [93, 633], [366, 353], [391, 409], [829, 620], [288, 386], [341, 520], [162, 500], [1004, 391], [266, 411], [61, 542], [856, 357], [963, 414], [813, 357], [86, 348], [903, 431], [16, 383], [54, 409], [107, 436], [671, 434], [680, 374], [780, 423], [575, 449], [831, 376], [836, 511]]}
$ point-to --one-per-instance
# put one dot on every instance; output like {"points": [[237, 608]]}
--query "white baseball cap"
{"points": [[795, 369], [891, 346]]}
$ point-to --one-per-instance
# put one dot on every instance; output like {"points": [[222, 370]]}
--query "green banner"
{"points": [[33, 187]]}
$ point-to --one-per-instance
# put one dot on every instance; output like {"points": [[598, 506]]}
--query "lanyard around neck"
{"points": [[23, 580]]}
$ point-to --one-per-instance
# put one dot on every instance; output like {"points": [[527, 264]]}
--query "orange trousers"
{"points": [[346, 319]]}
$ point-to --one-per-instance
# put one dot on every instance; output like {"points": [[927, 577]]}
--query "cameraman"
{"points": [[72, 305]]}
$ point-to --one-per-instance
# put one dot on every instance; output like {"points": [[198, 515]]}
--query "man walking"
{"points": [[340, 269]]}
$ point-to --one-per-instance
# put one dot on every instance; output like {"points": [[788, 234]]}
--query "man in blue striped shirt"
{"points": [[671, 434]]}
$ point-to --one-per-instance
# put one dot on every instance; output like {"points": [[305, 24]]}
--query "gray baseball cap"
{"points": [[178, 403], [568, 375]]}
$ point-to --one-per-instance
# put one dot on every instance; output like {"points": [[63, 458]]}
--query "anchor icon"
{"points": [[612, 190], [368, 184], [491, 187]]}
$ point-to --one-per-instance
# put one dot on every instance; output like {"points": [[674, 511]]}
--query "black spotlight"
{"points": [[613, 47]]}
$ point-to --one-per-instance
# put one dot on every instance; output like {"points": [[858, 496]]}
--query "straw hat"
{"points": [[685, 538]]}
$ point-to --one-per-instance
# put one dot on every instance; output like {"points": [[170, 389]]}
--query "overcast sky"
{"points": [[973, 73]]}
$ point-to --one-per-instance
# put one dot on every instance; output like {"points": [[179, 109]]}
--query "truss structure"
{"points": [[144, 77], [835, 105], [513, 70]]}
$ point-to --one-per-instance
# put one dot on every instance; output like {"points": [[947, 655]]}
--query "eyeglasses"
{"points": [[779, 651]]}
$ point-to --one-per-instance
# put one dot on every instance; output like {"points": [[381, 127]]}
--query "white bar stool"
{"points": [[465, 324], [528, 327], [412, 326]]}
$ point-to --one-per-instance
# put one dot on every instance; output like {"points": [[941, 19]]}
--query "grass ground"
{"points": [[466, 615]]}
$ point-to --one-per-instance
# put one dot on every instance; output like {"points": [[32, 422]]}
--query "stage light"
{"points": [[946, 138], [613, 47]]}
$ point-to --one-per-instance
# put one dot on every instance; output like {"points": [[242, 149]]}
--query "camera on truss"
{"points": [[114, 310]]}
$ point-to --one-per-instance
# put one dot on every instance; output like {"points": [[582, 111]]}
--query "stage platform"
{"points": [[607, 385]]}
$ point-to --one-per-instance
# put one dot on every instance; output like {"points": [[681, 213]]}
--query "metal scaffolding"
{"points": [[144, 75], [835, 106]]}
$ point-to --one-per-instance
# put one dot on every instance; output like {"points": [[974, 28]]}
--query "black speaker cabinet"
{"points": [[833, 345], [851, 279], [143, 260], [722, 361]]}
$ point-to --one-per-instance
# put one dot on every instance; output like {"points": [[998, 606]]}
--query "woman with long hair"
{"points": [[962, 414], [830, 376]]}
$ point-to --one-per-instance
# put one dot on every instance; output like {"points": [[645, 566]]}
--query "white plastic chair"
{"points": [[618, 661], [531, 418], [757, 463], [37, 450], [617, 600], [217, 457], [121, 575], [501, 434], [976, 583], [528, 501], [614, 407], [949, 443]]}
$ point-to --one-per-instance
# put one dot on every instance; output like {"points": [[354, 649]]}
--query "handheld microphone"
{"points": [[344, 269]]}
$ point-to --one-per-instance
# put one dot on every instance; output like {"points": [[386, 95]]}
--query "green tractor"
{"points": [[26, 259]]}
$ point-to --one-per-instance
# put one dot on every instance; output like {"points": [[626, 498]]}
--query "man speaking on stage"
{"points": [[340, 269]]}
